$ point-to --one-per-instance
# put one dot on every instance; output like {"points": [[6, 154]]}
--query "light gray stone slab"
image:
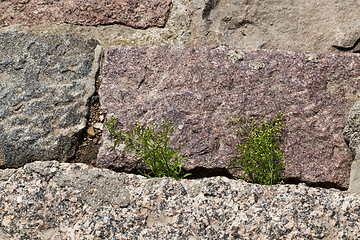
{"points": [[290, 25], [45, 84], [354, 185]]}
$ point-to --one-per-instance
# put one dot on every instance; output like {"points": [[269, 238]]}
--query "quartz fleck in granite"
{"points": [[200, 88], [137, 14], [51, 200]]}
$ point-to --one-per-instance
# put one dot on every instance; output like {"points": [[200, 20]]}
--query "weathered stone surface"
{"points": [[299, 26], [285, 25], [5, 174], [352, 136], [45, 84], [199, 89], [48, 200], [138, 14], [176, 30], [352, 130]]}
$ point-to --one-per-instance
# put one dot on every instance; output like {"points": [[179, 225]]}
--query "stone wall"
{"points": [[221, 58]]}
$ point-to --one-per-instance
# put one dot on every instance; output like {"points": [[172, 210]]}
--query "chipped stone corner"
{"points": [[90, 90], [94, 70]]}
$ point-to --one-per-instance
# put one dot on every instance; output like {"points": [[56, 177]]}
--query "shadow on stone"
{"points": [[327, 185]]}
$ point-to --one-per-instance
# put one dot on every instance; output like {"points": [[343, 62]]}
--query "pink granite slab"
{"points": [[199, 89], [134, 13]]}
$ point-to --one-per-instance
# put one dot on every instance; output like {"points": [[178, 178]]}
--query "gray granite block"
{"points": [[45, 84], [200, 88], [45, 201]]}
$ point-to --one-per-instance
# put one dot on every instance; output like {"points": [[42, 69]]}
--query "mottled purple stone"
{"points": [[134, 13], [199, 89]]}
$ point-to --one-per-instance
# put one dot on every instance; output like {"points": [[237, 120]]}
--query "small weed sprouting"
{"points": [[261, 157], [151, 144]]}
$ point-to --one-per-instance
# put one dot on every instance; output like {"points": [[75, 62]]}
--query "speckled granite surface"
{"points": [[199, 89], [137, 14], [46, 82], [48, 200]]}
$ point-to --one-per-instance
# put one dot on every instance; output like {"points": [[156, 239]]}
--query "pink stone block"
{"points": [[199, 89], [137, 14]]}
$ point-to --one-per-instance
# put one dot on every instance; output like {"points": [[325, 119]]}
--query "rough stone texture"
{"points": [[354, 185], [48, 200], [299, 26], [352, 136], [137, 14], [176, 30], [45, 84], [199, 89], [352, 130]]}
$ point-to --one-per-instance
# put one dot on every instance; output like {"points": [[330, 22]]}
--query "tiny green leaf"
{"points": [[261, 158], [153, 146]]}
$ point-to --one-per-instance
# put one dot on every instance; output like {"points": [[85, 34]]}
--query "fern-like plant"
{"points": [[260, 158], [153, 146]]}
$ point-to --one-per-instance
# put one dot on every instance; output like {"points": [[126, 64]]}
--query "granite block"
{"points": [[45, 201], [200, 88], [46, 82], [137, 14]]}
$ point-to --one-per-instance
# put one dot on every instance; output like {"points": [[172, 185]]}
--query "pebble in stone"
{"points": [[91, 132], [98, 126]]}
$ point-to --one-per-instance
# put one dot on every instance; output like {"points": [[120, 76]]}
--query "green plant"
{"points": [[261, 157], [153, 146]]}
